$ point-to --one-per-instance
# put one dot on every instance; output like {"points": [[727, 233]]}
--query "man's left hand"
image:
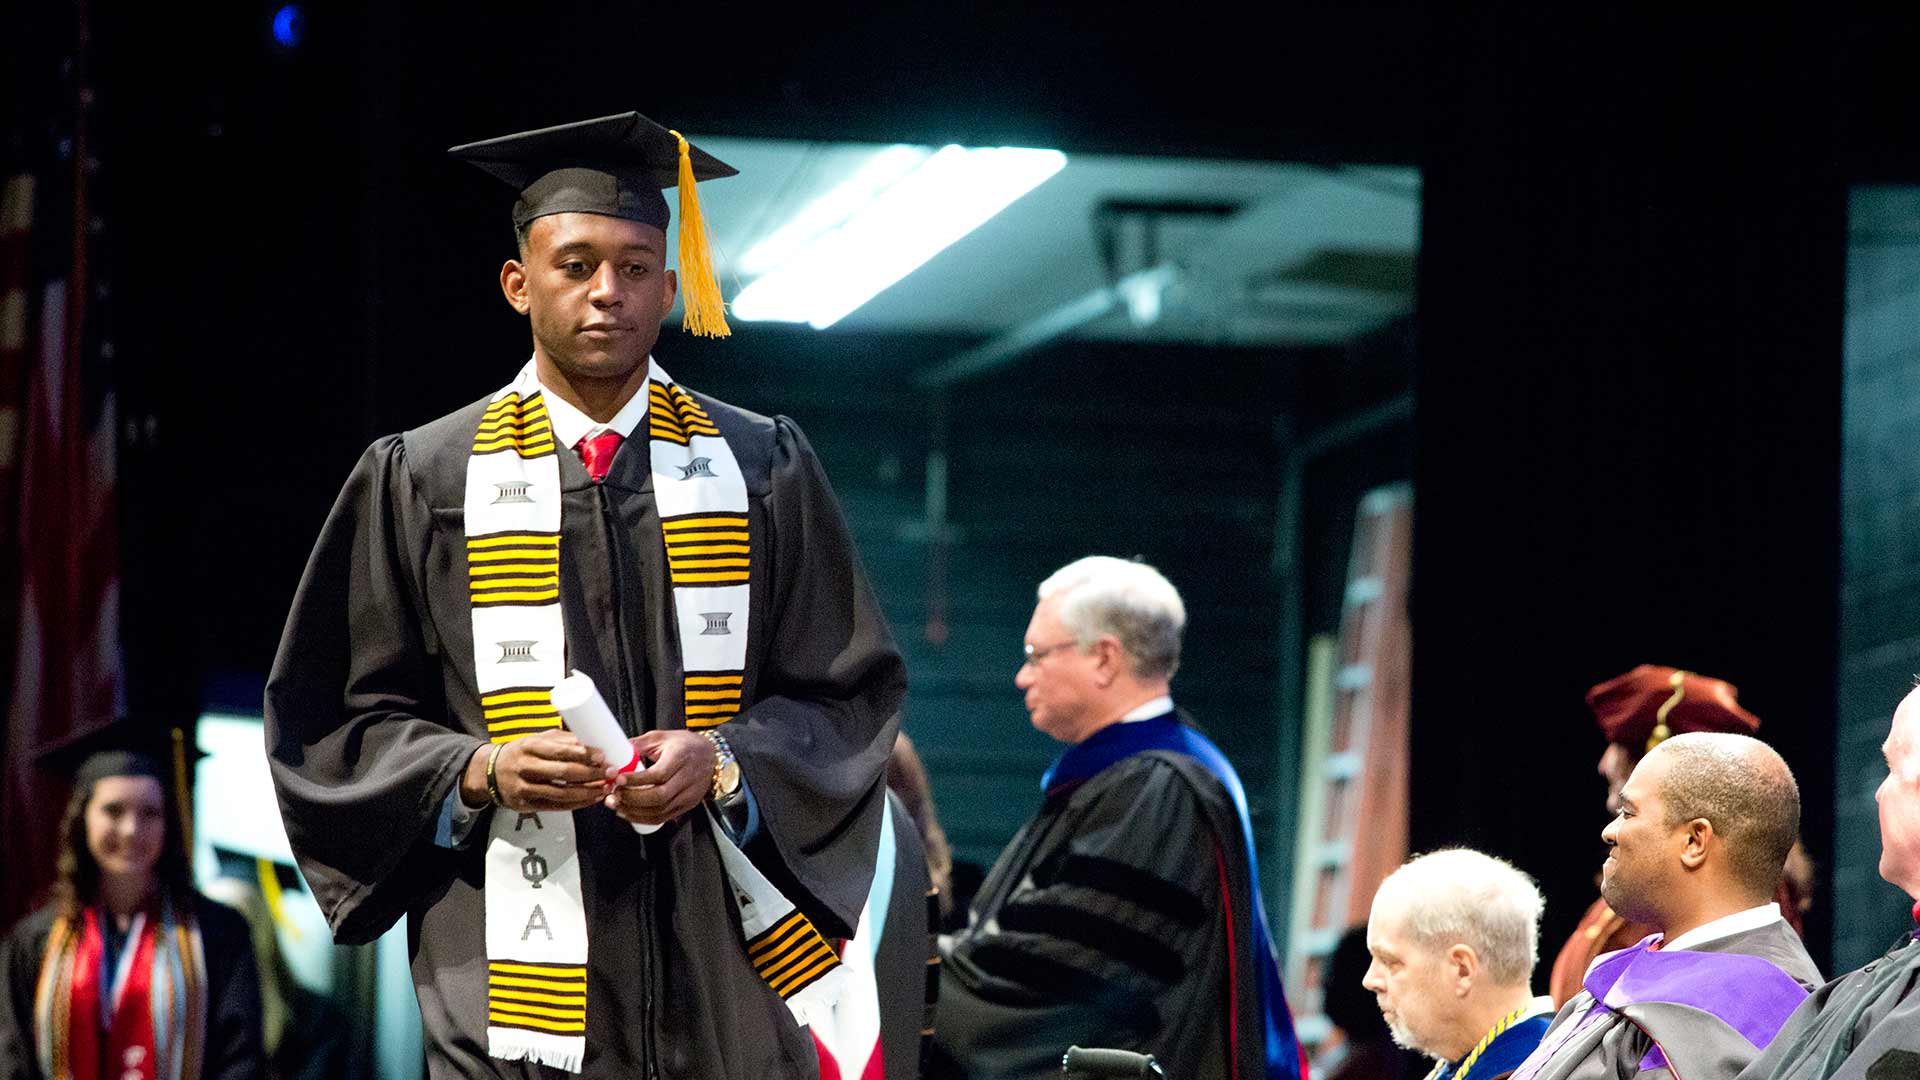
{"points": [[677, 779]]}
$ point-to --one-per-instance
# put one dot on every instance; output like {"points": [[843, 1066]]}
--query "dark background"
{"points": [[1626, 364]]}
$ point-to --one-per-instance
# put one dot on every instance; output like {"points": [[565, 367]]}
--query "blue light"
{"points": [[289, 23]]}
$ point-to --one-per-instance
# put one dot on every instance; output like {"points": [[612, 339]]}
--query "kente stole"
{"points": [[537, 948], [156, 998]]}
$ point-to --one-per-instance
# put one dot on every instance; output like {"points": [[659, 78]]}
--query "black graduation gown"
{"points": [[1864, 1025], [1103, 925], [372, 714], [233, 1050]]}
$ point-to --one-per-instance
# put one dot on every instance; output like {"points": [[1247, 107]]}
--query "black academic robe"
{"points": [[233, 1050], [1103, 924], [372, 714], [1864, 1025]]}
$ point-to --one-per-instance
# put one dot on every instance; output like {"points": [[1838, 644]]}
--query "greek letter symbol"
{"points": [[524, 818], [536, 921], [533, 868]]}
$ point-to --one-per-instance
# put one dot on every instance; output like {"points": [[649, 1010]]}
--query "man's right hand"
{"points": [[551, 770]]}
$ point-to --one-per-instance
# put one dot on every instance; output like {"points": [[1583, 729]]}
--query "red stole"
{"points": [[129, 1050]]}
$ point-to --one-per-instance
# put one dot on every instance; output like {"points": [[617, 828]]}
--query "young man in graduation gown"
{"points": [[1454, 936], [671, 920], [1865, 1025], [1126, 913], [1636, 712], [1704, 825]]}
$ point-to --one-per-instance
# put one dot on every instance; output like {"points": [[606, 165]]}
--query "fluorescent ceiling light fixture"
{"points": [[902, 224], [881, 171]]}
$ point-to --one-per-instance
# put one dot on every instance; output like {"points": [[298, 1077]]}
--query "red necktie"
{"points": [[597, 453]]}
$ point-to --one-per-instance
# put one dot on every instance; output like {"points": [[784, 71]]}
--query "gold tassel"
{"points": [[182, 791], [706, 310], [269, 876], [1661, 732]]}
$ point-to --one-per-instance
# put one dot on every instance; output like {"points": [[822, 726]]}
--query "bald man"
{"points": [[1696, 850], [1865, 1025], [1636, 712]]}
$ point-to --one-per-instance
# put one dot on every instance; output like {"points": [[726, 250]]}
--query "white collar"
{"points": [[1726, 926], [1159, 706], [570, 425]]}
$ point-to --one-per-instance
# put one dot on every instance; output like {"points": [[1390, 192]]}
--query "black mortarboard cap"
{"points": [[126, 738], [129, 746], [617, 166]]}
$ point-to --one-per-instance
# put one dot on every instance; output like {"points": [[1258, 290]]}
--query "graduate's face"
{"points": [[1899, 799], [126, 824], [1410, 982], [1643, 848], [1060, 680], [595, 289]]}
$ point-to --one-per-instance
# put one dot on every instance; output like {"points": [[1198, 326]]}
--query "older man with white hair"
{"points": [[1126, 913], [1454, 935]]}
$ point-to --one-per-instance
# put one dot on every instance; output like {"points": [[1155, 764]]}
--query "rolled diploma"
{"points": [[579, 703]]}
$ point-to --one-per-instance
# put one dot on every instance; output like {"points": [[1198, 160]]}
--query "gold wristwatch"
{"points": [[726, 770]]}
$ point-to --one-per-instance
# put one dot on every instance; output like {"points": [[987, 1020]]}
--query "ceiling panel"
{"points": [[1306, 255]]}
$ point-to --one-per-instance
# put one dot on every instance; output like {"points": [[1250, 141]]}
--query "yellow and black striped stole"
{"points": [[514, 568], [790, 955], [518, 711], [712, 697], [707, 548], [673, 415], [539, 997], [516, 424]]}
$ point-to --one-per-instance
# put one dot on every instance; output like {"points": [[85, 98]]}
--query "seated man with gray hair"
{"points": [[1454, 935], [1126, 914]]}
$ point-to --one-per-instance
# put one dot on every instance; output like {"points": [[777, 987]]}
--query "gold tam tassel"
{"points": [[1661, 732], [706, 310]]}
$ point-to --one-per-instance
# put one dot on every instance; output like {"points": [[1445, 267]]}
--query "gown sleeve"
{"points": [[358, 735], [20, 970], [234, 1048], [1100, 925], [1119, 912], [814, 743]]}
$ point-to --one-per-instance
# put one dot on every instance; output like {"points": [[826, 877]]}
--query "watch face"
{"points": [[729, 778]]}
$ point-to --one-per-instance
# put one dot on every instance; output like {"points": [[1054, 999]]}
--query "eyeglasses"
{"points": [[1039, 653]]}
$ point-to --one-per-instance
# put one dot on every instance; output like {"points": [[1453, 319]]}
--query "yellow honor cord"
{"points": [[1486, 1040], [706, 314]]}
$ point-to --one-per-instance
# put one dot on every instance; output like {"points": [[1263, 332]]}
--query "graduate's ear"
{"points": [[513, 283], [672, 287], [1698, 836], [1463, 967]]}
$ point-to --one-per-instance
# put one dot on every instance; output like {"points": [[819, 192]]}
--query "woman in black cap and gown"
{"points": [[127, 972]]}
